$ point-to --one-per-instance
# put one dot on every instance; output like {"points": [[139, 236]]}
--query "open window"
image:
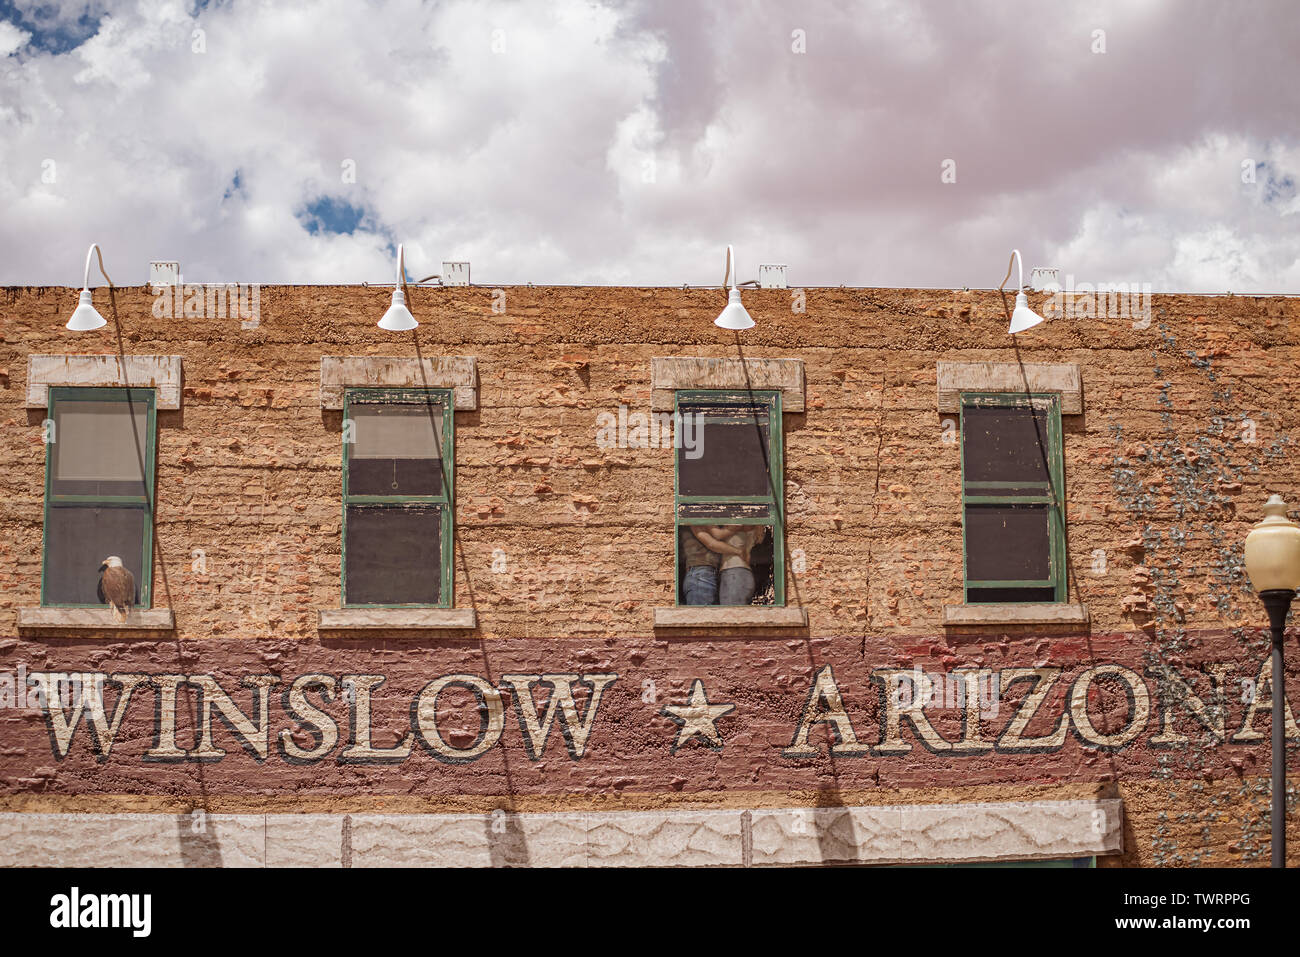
{"points": [[729, 498], [98, 491], [1012, 498], [397, 494]]}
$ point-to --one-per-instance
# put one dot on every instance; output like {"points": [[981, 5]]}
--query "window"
{"points": [[729, 485], [397, 495], [1012, 495], [99, 466]]}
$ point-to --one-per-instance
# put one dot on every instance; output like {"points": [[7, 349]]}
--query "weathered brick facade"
{"points": [[1186, 426]]}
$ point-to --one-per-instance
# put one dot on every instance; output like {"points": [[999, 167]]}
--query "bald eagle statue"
{"points": [[116, 587]]}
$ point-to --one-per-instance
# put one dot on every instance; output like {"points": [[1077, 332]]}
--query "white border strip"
{"points": [[884, 834]]}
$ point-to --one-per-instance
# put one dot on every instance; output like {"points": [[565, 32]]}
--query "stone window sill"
{"points": [[396, 619], [1039, 613], [730, 616], [95, 619]]}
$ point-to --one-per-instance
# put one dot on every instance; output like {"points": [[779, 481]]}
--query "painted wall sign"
{"points": [[759, 719]]}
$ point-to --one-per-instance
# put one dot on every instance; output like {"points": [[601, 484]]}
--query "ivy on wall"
{"points": [[1194, 478]]}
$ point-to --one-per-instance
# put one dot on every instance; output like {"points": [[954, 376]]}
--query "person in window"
{"points": [[702, 553], [736, 580]]}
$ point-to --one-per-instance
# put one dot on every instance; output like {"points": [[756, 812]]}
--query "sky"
{"points": [[627, 142]]}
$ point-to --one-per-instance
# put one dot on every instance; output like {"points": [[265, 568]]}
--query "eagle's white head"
{"points": [[112, 561]]}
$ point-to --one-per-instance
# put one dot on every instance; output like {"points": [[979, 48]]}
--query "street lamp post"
{"points": [[1273, 565]]}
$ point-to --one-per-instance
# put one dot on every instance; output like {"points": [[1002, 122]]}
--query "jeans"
{"points": [[701, 585], [736, 586]]}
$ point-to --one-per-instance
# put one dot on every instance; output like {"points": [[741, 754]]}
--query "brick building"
{"points": [[1064, 664]]}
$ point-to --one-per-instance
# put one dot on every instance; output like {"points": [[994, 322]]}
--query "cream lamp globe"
{"points": [[1273, 564], [1273, 550]]}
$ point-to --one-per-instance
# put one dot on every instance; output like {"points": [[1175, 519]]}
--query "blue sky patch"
{"points": [[53, 31], [236, 186], [325, 214]]}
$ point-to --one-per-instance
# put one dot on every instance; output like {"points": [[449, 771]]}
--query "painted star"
{"points": [[697, 718]]}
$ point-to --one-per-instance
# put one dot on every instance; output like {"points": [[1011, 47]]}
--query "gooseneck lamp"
{"points": [[86, 317], [1273, 565], [1022, 317], [398, 318], [734, 316]]}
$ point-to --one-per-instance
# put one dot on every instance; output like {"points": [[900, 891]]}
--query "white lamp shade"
{"points": [[734, 316], [85, 317], [1273, 550], [398, 318], [1023, 317]]}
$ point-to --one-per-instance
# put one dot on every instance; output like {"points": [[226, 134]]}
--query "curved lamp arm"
{"points": [[1015, 258], [85, 281], [731, 268], [85, 318]]}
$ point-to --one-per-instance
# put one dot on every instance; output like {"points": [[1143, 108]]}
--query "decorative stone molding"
{"points": [[882, 834], [458, 373], [668, 374], [395, 619], [954, 378], [95, 619], [1034, 613], [939, 833], [145, 372], [730, 616]]}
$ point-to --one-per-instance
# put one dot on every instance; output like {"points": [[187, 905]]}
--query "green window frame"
{"points": [[1050, 494], [440, 399], [60, 396], [766, 509]]}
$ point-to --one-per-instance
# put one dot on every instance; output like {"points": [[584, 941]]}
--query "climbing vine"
{"points": [[1181, 488]]}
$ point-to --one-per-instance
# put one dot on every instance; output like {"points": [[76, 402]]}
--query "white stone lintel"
{"points": [[458, 373], [145, 372], [1064, 378], [670, 373]]}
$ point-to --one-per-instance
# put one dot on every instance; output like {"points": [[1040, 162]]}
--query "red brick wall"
{"points": [[249, 474]]}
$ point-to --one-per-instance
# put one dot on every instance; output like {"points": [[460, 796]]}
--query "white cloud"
{"points": [[1215, 259], [12, 39], [628, 141]]}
